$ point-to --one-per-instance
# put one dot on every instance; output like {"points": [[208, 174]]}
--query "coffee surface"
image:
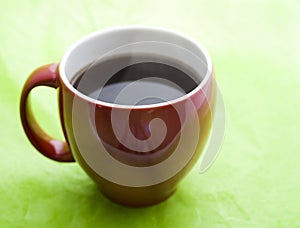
{"points": [[140, 83]]}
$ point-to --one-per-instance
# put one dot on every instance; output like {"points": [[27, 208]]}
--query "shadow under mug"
{"points": [[99, 135]]}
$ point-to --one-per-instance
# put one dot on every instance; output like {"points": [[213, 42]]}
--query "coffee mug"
{"points": [[135, 153]]}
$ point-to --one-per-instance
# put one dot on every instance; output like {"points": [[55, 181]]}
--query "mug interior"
{"points": [[135, 39]]}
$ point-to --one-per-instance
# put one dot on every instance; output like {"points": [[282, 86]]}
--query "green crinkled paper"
{"points": [[255, 47]]}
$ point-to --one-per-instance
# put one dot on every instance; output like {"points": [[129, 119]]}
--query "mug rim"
{"points": [[199, 87]]}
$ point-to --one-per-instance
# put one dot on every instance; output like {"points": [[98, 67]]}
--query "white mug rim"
{"points": [[199, 87]]}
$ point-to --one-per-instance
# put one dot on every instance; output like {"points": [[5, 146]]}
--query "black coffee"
{"points": [[118, 81]]}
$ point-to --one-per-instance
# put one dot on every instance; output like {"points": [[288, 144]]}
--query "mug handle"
{"points": [[52, 148]]}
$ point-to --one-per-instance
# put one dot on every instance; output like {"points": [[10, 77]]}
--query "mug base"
{"points": [[137, 202]]}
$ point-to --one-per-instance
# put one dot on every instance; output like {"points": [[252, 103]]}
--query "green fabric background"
{"points": [[255, 181]]}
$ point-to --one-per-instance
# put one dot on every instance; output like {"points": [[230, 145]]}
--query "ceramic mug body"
{"points": [[136, 154]]}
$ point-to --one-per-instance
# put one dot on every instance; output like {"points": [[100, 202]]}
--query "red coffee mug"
{"points": [[136, 154]]}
